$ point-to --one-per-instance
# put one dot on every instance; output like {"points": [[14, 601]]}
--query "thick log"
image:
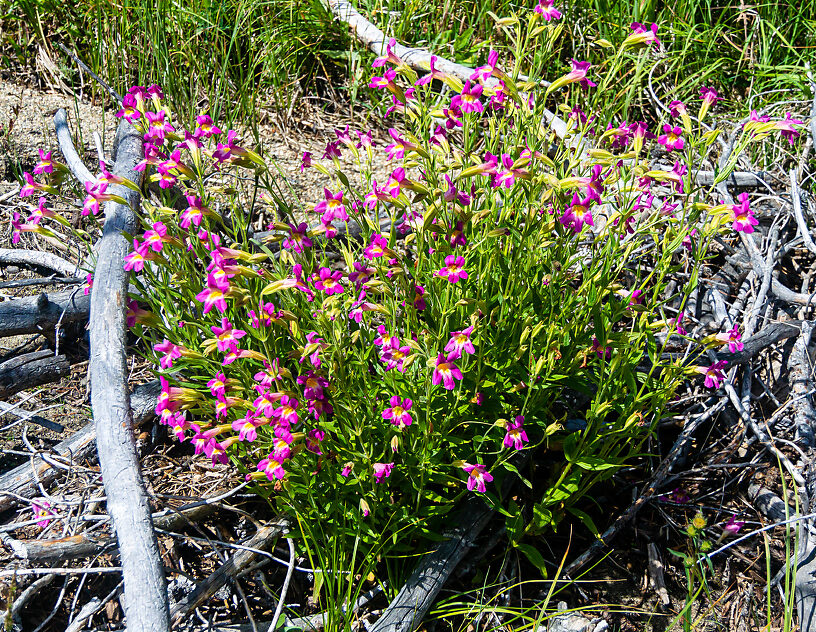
{"points": [[238, 562], [36, 314], [145, 591], [21, 482], [37, 259], [30, 370]]}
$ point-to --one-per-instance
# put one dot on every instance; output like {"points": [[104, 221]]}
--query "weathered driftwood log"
{"points": [[145, 590], [30, 370], [36, 259], [22, 480], [237, 563], [14, 411], [87, 545], [66, 145], [415, 598], [36, 314]]}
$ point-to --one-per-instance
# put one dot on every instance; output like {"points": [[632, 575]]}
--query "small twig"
{"points": [[285, 587], [113, 93], [804, 231], [95, 570]]}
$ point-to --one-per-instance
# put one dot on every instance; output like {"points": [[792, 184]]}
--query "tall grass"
{"points": [[230, 57]]}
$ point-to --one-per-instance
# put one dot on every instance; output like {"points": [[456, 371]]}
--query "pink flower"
{"points": [[384, 82], [714, 374], [205, 127], [171, 352], [733, 526], [272, 468], [469, 99], [578, 75], [229, 150], [446, 372], [306, 161], [42, 510], [157, 127], [394, 355], [677, 109], [419, 300], [488, 70], [376, 247], [332, 150], [398, 412], [453, 270], [477, 477], [786, 127], [396, 150], [30, 186], [140, 255], [642, 35], [733, 338], [602, 352], [45, 165], [671, 139], [213, 296], [578, 214], [678, 324], [709, 96], [546, 10], [226, 336], [382, 471], [389, 57], [129, 109], [218, 385], [433, 74], [516, 436], [246, 427], [313, 439], [459, 342], [286, 413], [331, 207], [297, 239], [328, 281], [744, 220]]}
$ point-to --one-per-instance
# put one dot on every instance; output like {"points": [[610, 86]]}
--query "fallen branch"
{"points": [[38, 314], [145, 592], [37, 259], [30, 370], [21, 482], [66, 145], [232, 567]]}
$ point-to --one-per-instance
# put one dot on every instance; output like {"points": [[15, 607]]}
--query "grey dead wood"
{"points": [[145, 592], [37, 259], [241, 560], [41, 313], [656, 578], [15, 411], [30, 370], [88, 545], [66, 145], [22, 480]]}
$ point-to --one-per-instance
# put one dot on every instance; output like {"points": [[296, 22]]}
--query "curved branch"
{"points": [[66, 144], [146, 607], [34, 314], [37, 259]]}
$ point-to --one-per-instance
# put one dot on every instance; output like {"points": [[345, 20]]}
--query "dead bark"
{"points": [[22, 480], [30, 370], [145, 592], [237, 563], [38, 314], [36, 259], [66, 145]]}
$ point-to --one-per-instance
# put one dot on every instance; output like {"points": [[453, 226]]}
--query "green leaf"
{"points": [[594, 463], [535, 558], [588, 522]]}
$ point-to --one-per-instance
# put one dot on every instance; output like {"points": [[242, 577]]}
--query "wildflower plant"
{"points": [[367, 361]]}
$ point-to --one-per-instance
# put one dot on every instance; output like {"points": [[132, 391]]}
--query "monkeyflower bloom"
{"points": [[377, 247], [331, 207], [578, 75], [272, 468], [157, 127], [218, 385], [710, 97], [247, 426], [714, 374], [136, 314], [328, 281], [45, 164], [141, 254], [489, 69], [129, 110], [385, 82], [678, 324], [155, 237], [433, 74], [786, 127], [460, 342], [205, 127], [457, 235], [42, 510], [171, 353], [516, 436], [671, 138], [733, 338], [469, 99], [226, 336], [453, 270], [546, 10], [733, 526], [446, 372], [398, 413], [678, 110], [229, 150], [286, 413], [477, 477], [297, 239], [213, 295], [389, 57], [642, 35], [382, 471], [396, 150], [393, 354], [577, 214], [30, 187], [602, 352], [744, 220]]}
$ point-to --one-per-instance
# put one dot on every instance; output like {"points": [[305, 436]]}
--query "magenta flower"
{"points": [[328, 281], [384, 82], [714, 374], [129, 109], [394, 355], [313, 439], [477, 477], [744, 220], [281, 446], [469, 99], [546, 10], [382, 471], [45, 165], [398, 413], [171, 352], [364, 140], [205, 127], [213, 296], [247, 426], [577, 214], [709, 96], [642, 35], [419, 300], [516, 436], [389, 57], [488, 70], [30, 187], [376, 247], [733, 338], [578, 75], [157, 127], [671, 139], [226, 336], [140, 255], [272, 468], [446, 372], [460, 342], [733, 526], [678, 324], [678, 109], [297, 239], [453, 270], [433, 74], [305, 161], [331, 207], [786, 127], [396, 150], [286, 413], [42, 510], [332, 150], [313, 385], [602, 352], [218, 385], [395, 182]]}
